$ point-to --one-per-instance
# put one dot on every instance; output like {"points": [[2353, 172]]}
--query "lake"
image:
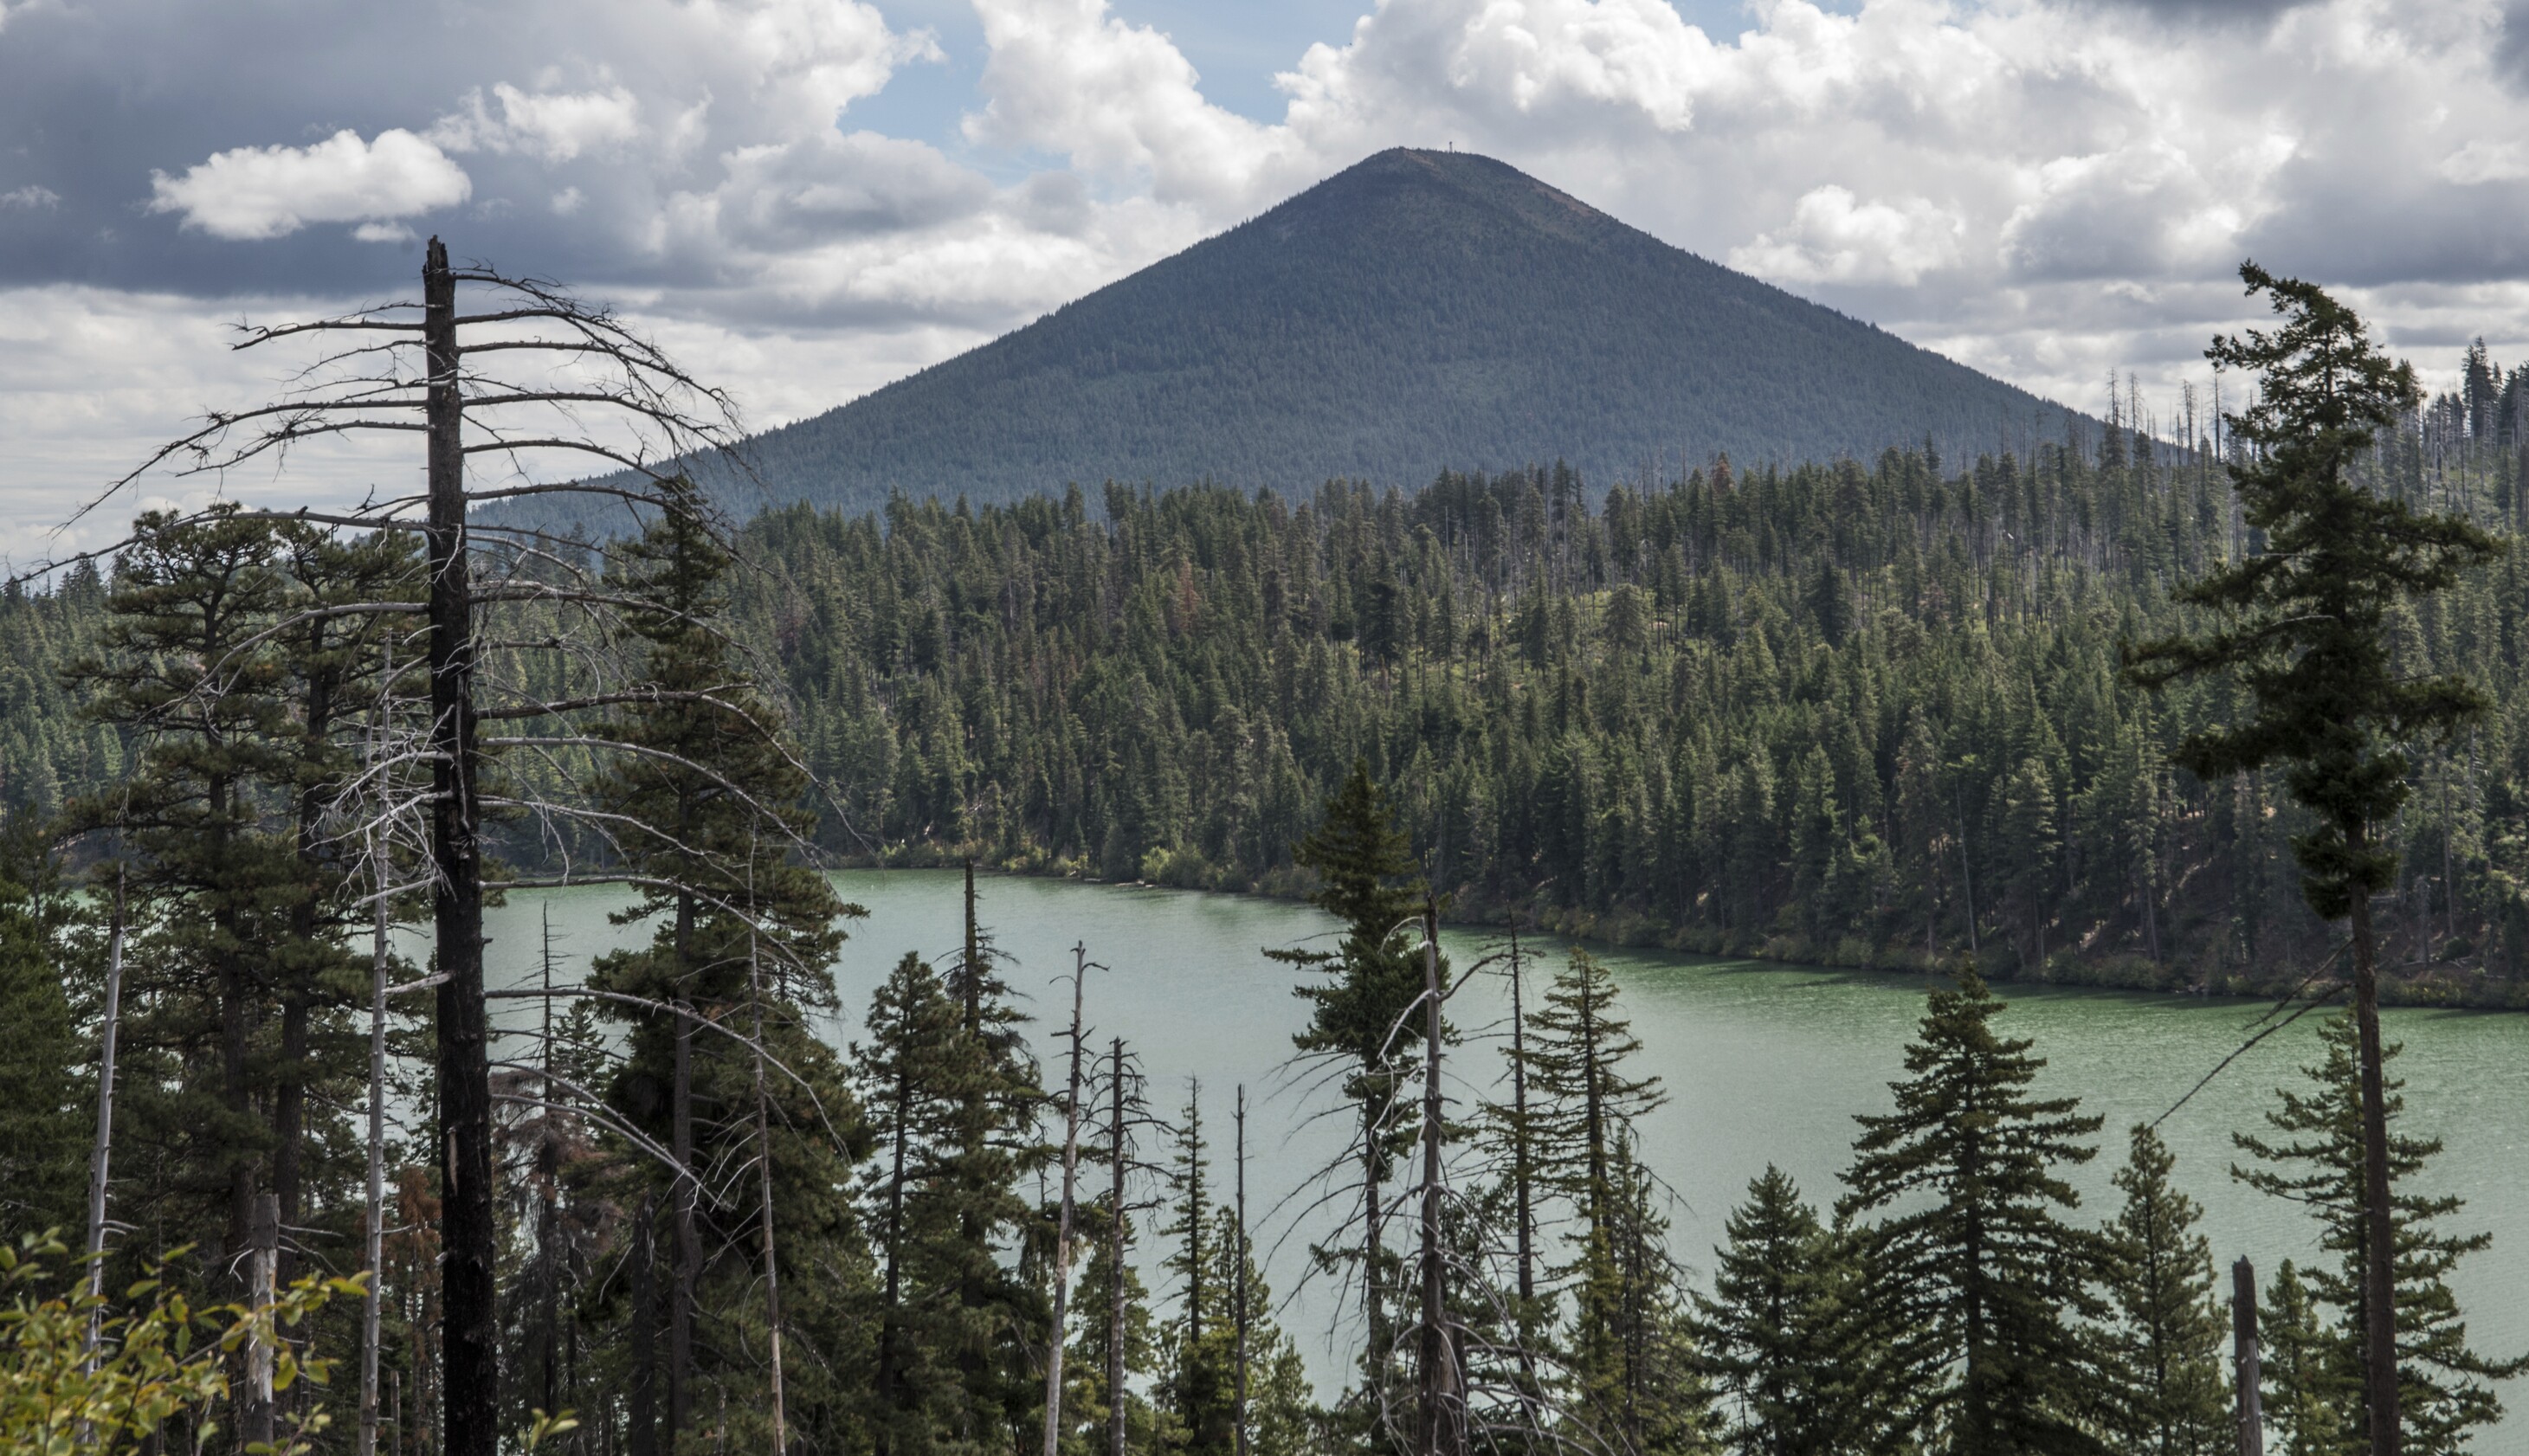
{"points": [[1761, 1063]]}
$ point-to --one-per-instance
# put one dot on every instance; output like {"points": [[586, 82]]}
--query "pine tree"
{"points": [[1200, 1384], [2164, 1347], [2318, 1162], [1973, 1271], [1781, 1337], [1585, 1103], [2303, 626], [705, 798], [1366, 880], [906, 1073], [2312, 1382], [43, 1117]]}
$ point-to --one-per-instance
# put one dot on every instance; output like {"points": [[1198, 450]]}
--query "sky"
{"points": [[804, 200]]}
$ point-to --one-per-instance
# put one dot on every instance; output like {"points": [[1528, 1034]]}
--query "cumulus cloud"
{"points": [[553, 126], [270, 192], [2045, 189], [1833, 239]]}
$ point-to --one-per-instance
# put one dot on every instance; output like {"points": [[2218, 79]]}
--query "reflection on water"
{"points": [[1763, 1065]]}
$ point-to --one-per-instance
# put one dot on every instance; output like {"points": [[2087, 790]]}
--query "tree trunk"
{"points": [[764, 1182], [263, 1240], [373, 1232], [470, 1311], [681, 1308], [1238, 1295], [1062, 1223], [641, 1401], [1115, 1263], [1523, 1194], [2378, 1229], [2243, 1341], [1439, 1400], [100, 1159]]}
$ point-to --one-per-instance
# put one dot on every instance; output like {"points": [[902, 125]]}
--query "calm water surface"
{"points": [[1763, 1063]]}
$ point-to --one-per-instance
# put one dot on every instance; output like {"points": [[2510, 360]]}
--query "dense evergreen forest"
{"points": [[1758, 709], [1419, 309], [1849, 714]]}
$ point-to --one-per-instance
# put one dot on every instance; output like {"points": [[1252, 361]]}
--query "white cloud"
{"points": [[1833, 239], [32, 198], [553, 126], [1119, 100], [2483, 160], [2046, 188], [270, 192]]}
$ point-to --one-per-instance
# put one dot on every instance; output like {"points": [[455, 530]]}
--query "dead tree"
{"points": [[521, 378]]}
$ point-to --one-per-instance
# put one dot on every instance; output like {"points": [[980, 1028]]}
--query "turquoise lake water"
{"points": [[1761, 1063]]}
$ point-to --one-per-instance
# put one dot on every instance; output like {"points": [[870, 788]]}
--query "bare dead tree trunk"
{"points": [[1062, 1220], [2378, 1226], [470, 1312], [548, 1197], [2243, 1342], [641, 1401], [764, 1181], [1522, 1177], [263, 1238], [1238, 1295], [1115, 1263], [100, 1159], [373, 1232], [681, 1308], [1440, 1402]]}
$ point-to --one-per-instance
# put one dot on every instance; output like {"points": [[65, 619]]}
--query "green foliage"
{"points": [[1980, 1284], [1781, 1335], [2163, 1346], [2445, 1390], [2304, 622], [44, 1112], [158, 1364]]}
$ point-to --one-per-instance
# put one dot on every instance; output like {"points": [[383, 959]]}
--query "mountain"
{"points": [[1419, 310]]}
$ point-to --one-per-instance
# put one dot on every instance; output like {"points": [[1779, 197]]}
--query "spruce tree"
{"points": [[1782, 1337], [705, 798], [2312, 1380], [2164, 1342], [2303, 626], [1366, 880], [1980, 1282], [906, 1071], [1584, 1102], [1200, 1384], [43, 1116], [2318, 1162]]}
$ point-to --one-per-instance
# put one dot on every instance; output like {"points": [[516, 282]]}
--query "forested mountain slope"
{"points": [[1866, 715], [1421, 310], [1862, 714]]}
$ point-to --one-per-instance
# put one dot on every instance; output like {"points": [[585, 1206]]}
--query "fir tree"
{"points": [[2303, 626], [1974, 1273], [2312, 1382], [706, 800], [2164, 1347], [1367, 880], [43, 1116], [1781, 1337], [2318, 1162]]}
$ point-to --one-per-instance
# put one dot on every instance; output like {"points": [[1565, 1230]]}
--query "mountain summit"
{"points": [[1416, 311]]}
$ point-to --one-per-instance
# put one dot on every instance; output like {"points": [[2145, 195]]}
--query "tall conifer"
{"points": [[1981, 1283]]}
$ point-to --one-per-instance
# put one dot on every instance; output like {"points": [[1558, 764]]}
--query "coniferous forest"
{"points": [[2071, 716]]}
